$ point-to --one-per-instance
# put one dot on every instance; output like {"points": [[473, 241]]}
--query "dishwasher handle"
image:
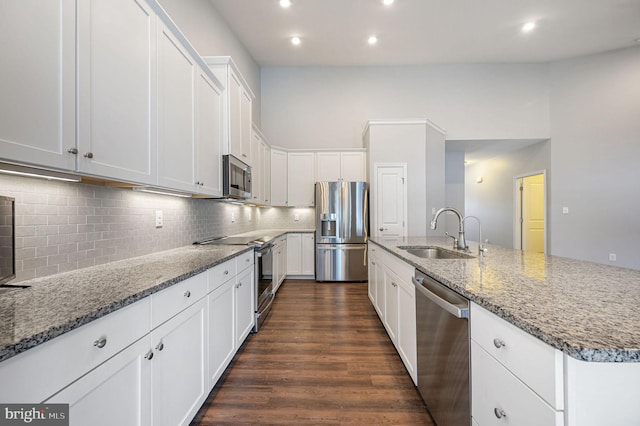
{"points": [[455, 310]]}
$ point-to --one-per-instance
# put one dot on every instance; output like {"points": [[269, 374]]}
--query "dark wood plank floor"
{"points": [[322, 357]]}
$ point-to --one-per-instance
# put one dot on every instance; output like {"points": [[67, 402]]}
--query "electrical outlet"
{"points": [[159, 219], [612, 257], [433, 210], [296, 217], [233, 217], [565, 210]]}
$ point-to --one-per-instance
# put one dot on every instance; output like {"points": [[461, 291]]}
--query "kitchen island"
{"points": [[553, 340]]}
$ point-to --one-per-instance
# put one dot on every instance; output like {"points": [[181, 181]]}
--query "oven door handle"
{"points": [[268, 306]]}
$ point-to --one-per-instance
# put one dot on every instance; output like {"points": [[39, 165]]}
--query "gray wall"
{"points": [[493, 200], [209, 33], [595, 153], [328, 107]]}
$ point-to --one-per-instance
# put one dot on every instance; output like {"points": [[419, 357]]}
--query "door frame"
{"points": [[374, 192], [517, 209]]}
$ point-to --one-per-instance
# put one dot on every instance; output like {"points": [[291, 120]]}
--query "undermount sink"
{"points": [[433, 252]]}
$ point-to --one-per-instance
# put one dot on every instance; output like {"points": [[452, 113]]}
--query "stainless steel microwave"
{"points": [[236, 178]]}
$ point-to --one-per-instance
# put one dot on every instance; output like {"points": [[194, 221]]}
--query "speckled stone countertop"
{"points": [[59, 303], [54, 305], [587, 310]]}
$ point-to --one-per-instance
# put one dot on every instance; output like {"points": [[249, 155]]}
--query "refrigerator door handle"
{"points": [[342, 247]]}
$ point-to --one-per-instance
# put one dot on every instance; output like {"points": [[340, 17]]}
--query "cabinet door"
{"points": [[294, 254], [380, 290], [407, 327], [278, 178], [208, 133], [245, 311], [179, 367], [118, 392], [266, 173], [257, 175], [221, 330], [116, 82], [176, 142], [301, 179], [391, 305], [245, 126], [308, 254], [352, 166], [37, 82], [328, 166], [372, 270], [234, 92]]}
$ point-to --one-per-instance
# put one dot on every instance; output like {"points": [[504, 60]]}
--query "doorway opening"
{"points": [[530, 212]]}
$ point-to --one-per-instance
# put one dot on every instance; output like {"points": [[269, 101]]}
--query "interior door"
{"points": [[532, 189], [390, 202]]}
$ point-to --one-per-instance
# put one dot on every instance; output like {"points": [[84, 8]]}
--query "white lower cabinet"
{"points": [[300, 254], [150, 363], [279, 261], [118, 390], [221, 330], [500, 398], [393, 296], [179, 379], [514, 376]]}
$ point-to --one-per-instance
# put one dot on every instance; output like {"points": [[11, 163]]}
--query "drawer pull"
{"points": [[247, 260], [226, 272], [149, 354], [499, 413], [100, 343], [187, 293], [160, 346], [499, 343]]}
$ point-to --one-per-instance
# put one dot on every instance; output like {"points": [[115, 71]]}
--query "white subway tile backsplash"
{"points": [[66, 226]]}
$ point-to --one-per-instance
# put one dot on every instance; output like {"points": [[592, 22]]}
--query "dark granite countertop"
{"points": [[54, 305], [587, 310]]}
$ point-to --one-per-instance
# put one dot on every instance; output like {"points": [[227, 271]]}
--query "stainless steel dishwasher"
{"points": [[443, 351]]}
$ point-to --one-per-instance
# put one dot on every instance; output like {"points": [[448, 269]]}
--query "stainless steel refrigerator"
{"points": [[342, 227]]}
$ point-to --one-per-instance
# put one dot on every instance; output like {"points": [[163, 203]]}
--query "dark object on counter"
{"points": [[7, 239]]}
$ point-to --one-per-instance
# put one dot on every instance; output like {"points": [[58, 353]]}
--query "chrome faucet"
{"points": [[461, 243], [481, 248]]}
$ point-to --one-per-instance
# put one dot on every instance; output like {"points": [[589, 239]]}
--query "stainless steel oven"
{"points": [[263, 263], [264, 283]]}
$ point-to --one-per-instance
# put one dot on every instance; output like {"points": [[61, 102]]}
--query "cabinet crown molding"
{"points": [[403, 121], [228, 61]]}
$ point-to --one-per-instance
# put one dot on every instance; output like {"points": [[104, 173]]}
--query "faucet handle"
{"points": [[455, 240]]}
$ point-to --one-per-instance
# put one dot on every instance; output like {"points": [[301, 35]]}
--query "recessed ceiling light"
{"points": [[295, 41], [285, 3], [372, 40], [528, 27], [387, 2]]}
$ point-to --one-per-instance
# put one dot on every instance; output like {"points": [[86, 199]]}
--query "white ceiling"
{"points": [[335, 32]]}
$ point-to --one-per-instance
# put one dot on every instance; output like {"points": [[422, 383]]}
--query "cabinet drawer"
{"points": [[499, 398], [38, 373], [244, 261], [220, 274], [534, 362], [170, 301]]}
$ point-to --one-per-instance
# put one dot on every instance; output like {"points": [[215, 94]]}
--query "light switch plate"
{"points": [[565, 210], [159, 219]]}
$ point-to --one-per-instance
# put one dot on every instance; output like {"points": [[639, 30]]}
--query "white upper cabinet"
{"points": [[257, 174], [37, 82], [347, 166], [176, 142], [238, 100], [278, 177], [301, 179], [208, 132], [116, 84]]}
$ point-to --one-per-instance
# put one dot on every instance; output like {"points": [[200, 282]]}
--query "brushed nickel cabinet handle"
{"points": [[88, 155], [499, 343], [100, 343], [73, 151]]}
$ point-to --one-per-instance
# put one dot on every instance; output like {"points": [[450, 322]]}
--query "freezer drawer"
{"points": [[341, 262]]}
